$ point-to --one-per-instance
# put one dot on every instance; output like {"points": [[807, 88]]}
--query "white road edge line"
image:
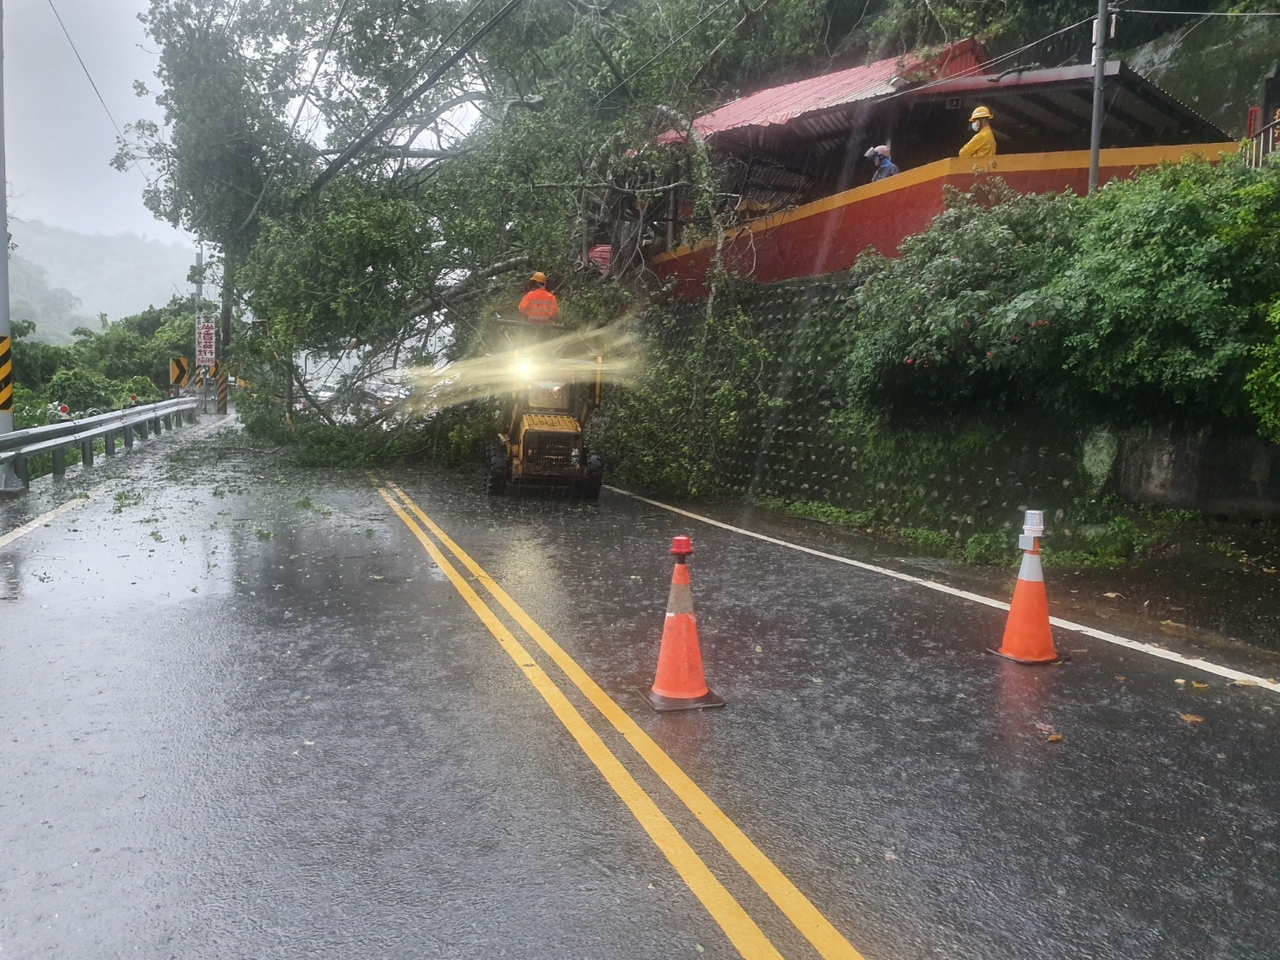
{"points": [[1246, 679], [41, 520]]}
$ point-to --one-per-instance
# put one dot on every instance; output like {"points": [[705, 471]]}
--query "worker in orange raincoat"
{"points": [[983, 141], [539, 304]]}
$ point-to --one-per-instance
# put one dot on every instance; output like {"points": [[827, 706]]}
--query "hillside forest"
{"points": [[61, 279]]}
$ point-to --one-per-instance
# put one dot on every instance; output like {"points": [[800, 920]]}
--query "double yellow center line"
{"points": [[737, 924]]}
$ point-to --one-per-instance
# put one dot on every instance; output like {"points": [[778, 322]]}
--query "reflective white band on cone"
{"points": [[1031, 568]]}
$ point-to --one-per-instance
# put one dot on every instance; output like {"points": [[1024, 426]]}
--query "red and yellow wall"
{"points": [[827, 235]]}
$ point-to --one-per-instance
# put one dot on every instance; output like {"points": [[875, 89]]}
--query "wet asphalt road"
{"points": [[245, 715]]}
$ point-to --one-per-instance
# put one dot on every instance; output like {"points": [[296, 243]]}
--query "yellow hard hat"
{"points": [[980, 113], [539, 277]]}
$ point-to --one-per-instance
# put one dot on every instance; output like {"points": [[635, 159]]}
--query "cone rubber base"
{"points": [[666, 704], [1060, 658]]}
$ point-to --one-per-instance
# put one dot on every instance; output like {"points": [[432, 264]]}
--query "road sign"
{"points": [[206, 341], [179, 371]]}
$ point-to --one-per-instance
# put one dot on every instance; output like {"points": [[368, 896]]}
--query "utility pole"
{"points": [[9, 482], [1099, 79], [200, 280], [224, 340], [200, 371]]}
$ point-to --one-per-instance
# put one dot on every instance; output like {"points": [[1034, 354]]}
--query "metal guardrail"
{"points": [[1263, 142], [56, 438]]}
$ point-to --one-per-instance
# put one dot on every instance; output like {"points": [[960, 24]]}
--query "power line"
{"points": [[381, 126], [89, 77], [399, 107], [297, 115], [644, 66], [1195, 13], [85, 69], [440, 46], [985, 67], [971, 71], [978, 69]]}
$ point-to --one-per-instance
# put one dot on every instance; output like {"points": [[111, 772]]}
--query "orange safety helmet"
{"points": [[980, 113], [539, 277]]}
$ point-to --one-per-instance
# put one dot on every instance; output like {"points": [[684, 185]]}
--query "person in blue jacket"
{"points": [[884, 166]]}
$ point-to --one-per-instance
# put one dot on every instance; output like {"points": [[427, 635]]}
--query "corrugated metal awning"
{"points": [[1058, 103], [818, 95]]}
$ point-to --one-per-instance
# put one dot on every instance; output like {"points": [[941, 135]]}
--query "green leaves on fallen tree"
{"points": [[353, 264]]}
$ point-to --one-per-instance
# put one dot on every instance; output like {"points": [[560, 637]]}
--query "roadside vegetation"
{"points": [[122, 363], [1108, 533]]}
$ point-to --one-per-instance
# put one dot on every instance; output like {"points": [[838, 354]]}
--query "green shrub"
{"points": [[989, 549], [140, 345], [929, 539], [1263, 384], [35, 363], [140, 387], [1146, 300], [1166, 291], [815, 510], [82, 390], [962, 314], [29, 408]]}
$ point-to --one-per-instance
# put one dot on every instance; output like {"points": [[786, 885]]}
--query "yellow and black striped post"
{"points": [[6, 374], [11, 481], [224, 390]]}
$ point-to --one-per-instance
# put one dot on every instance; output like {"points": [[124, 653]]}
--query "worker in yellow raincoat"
{"points": [[983, 141]]}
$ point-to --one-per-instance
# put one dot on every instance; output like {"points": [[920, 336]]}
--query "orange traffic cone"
{"points": [[680, 684], [1027, 636]]}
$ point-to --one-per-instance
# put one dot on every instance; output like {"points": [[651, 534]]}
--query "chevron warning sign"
{"points": [[179, 371]]}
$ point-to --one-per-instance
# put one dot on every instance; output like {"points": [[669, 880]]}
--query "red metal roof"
{"points": [[779, 105]]}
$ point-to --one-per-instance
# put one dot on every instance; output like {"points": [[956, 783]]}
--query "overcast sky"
{"points": [[59, 139]]}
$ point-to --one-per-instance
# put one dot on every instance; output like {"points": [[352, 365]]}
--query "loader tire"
{"points": [[589, 488], [497, 471]]}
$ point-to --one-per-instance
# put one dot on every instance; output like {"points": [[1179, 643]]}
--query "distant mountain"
{"points": [[118, 275], [55, 312]]}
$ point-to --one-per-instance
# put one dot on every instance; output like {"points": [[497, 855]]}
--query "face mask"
{"points": [[976, 125]]}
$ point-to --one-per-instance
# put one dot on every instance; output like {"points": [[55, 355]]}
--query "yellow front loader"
{"points": [[543, 419]]}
